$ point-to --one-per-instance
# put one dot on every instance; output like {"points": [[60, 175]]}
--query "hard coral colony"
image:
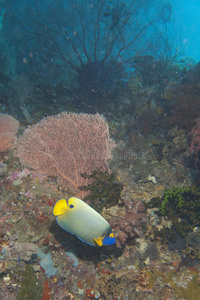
{"points": [[129, 222]]}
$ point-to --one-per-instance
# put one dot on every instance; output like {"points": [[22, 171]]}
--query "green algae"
{"points": [[31, 287], [176, 195], [182, 206]]}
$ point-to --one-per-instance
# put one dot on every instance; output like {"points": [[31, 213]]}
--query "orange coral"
{"points": [[8, 129]]}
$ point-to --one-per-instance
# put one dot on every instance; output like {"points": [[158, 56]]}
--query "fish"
{"points": [[78, 218]]}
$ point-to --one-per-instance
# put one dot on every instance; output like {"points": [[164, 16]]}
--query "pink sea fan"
{"points": [[8, 129], [66, 145]]}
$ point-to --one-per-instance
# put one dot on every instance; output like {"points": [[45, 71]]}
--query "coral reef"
{"points": [[77, 271]]}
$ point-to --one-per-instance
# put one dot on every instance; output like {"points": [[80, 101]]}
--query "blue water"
{"points": [[186, 15]]}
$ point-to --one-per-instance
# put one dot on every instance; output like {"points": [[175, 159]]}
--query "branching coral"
{"points": [[66, 145]]}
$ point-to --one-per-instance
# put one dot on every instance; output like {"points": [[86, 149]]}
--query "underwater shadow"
{"points": [[83, 251]]}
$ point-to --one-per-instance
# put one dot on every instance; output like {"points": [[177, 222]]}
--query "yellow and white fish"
{"points": [[78, 218]]}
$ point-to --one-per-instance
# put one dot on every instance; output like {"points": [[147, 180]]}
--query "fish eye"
{"points": [[71, 206]]}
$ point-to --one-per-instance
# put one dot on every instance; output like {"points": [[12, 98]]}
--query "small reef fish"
{"points": [[78, 218]]}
